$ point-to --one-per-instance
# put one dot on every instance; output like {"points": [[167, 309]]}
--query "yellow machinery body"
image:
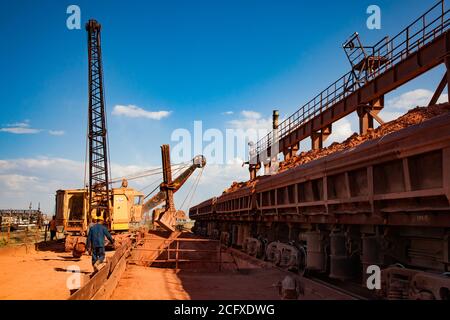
{"points": [[72, 218], [72, 208]]}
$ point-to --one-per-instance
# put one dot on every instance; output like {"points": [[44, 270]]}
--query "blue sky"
{"points": [[196, 59]]}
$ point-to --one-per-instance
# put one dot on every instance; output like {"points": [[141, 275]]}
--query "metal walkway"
{"points": [[389, 64]]}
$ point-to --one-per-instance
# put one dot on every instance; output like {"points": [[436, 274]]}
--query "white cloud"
{"points": [[6, 165], [228, 113], [398, 106], [24, 124], [414, 98], [37, 179], [224, 175], [387, 115], [341, 130], [251, 114], [20, 130], [215, 179], [56, 132], [25, 128], [132, 111], [251, 120], [16, 182]]}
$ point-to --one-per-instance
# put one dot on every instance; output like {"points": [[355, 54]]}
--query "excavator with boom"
{"points": [[127, 207], [166, 217], [120, 208]]}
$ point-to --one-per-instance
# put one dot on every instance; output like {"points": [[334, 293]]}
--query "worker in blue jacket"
{"points": [[96, 242]]}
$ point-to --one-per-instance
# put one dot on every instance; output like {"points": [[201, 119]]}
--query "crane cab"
{"points": [[126, 208], [72, 208]]}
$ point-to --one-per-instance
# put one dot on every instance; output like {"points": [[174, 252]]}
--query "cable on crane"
{"points": [[151, 192], [156, 181], [193, 187], [147, 173]]}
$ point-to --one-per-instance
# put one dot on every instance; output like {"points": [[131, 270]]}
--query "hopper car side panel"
{"points": [[385, 202]]}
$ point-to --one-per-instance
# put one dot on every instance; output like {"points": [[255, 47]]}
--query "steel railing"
{"points": [[421, 32], [177, 257]]}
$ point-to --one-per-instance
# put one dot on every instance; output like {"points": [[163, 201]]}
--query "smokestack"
{"points": [[275, 117]]}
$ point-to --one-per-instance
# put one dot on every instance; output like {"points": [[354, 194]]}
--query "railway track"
{"points": [[351, 289], [314, 286]]}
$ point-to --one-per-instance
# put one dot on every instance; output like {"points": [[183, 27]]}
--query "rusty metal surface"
{"points": [[415, 50], [429, 140], [166, 217], [99, 279], [403, 284], [383, 201], [99, 189], [310, 288]]}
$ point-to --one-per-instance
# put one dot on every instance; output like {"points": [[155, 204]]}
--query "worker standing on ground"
{"points": [[96, 242], [52, 228]]}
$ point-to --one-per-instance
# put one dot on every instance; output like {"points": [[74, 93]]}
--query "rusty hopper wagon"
{"points": [[384, 203]]}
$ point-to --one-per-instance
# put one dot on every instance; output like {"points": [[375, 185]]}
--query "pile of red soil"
{"points": [[413, 117]]}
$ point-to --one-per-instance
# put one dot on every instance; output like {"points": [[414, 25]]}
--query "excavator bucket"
{"points": [[164, 219], [167, 221]]}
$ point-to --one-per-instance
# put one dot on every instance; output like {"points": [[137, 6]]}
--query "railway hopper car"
{"points": [[384, 203]]}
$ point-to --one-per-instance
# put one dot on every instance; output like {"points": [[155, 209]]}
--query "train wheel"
{"points": [[327, 259], [425, 295], [269, 255], [251, 251], [302, 260], [277, 257]]}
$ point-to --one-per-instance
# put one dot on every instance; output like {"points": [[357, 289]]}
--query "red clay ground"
{"points": [[197, 280], [34, 275], [27, 274], [141, 283]]}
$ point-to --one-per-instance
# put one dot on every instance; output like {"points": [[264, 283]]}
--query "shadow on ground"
{"points": [[53, 246]]}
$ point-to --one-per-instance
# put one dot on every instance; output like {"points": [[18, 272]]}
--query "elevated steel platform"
{"points": [[391, 63]]}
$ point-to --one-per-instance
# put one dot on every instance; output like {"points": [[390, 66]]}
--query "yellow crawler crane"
{"points": [[119, 208], [127, 206], [72, 208]]}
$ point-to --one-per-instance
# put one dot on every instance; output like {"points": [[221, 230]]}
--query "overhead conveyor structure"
{"points": [[376, 71]]}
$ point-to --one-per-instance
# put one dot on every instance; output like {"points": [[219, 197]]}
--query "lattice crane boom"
{"points": [[99, 189]]}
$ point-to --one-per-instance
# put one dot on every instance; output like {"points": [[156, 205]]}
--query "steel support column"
{"points": [[366, 114], [318, 138], [447, 64], [291, 152], [253, 169], [440, 89]]}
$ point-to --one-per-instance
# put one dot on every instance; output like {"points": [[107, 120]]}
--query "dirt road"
{"points": [[28, 274], [139, 283]]}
